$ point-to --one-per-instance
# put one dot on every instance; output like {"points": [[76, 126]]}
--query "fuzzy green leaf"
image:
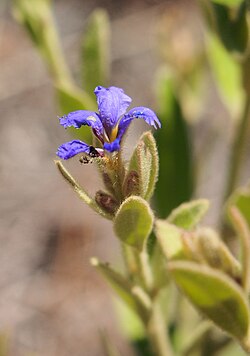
{"points": [[133, 221], [211, 248], [188, 215], [145, 162], [96, 51], [215, 295], [169, 237]]}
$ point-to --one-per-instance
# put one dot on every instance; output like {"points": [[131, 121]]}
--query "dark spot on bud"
{"points": [[108, 183], [132, 184], [106, 201]]}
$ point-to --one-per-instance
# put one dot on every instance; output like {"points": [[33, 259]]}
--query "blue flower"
{"points": [[109, 125]]}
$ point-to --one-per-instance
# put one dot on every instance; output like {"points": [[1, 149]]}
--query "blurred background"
{"points": [[52, 302]]}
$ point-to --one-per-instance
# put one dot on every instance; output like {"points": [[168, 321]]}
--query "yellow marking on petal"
{"points": [[92, 118], [113, 134]]}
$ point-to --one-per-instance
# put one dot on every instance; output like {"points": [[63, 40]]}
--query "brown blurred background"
{"points": [[51, 301]]}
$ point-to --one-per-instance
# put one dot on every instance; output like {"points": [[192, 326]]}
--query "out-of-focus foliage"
{"points": [[215, 295], [38, 20], [96, 51], [175, 183], [227, 74]]}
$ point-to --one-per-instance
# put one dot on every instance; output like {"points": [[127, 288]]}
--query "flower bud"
{"points": [[108, 182], [131, 184], [216, 254], [106, 202]]}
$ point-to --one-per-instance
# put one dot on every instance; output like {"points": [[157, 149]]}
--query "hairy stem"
{"points": [[157, 332]]}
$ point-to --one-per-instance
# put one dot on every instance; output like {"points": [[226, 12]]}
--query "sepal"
{"points": [[81, 192], [145, 162]]}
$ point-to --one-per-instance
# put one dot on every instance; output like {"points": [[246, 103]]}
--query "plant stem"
{"points": [[146, 271], [157, 332], [238, 148]]}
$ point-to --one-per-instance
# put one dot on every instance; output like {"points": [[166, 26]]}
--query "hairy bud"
{"points": [[106, 202], [131, 184], [215, 252]]}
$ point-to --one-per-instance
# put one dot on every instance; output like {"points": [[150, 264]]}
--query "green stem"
{"points": [[196, 338], [146, 271], [238, 149], [157, 332]]}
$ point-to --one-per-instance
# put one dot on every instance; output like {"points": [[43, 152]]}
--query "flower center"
{"points": [[113, 133]]}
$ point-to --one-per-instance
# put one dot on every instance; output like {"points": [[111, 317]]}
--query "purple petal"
{"points": [[83, 117], [140, 112], [112, 104], [72, 148], [113, 146]]}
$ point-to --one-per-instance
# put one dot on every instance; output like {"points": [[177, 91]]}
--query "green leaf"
{"points": [[129, 321], [133, 222], [145, 162], [169, 237], [32, 17], [230, 3], [215, 295], [241, 200], [119, 284], [175, 182], [71, 98], [81, 192], [227, 75], [188, 215], [96, 51], [122, 287], [37, 19]]}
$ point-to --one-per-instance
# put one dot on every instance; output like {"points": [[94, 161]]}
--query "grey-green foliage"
{"points": [[95, 64], [133, 222], [37, 19], [188, 215], [216, 296]]}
